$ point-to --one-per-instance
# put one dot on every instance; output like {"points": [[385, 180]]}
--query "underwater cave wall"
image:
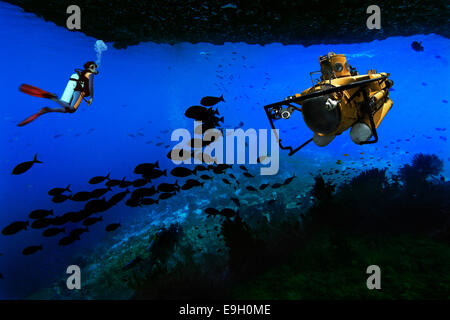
{"points": [[258, 21]]}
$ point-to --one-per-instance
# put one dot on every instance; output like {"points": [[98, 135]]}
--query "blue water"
{"points": [[147, 88]]}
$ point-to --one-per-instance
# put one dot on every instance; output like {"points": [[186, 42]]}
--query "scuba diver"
{"points": [[79, 87]]}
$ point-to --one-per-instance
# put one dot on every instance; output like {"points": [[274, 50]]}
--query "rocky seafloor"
{"points": [[314, 241], [255, 22]]}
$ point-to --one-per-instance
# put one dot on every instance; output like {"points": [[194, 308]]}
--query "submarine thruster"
{"points": [[341, 99]]}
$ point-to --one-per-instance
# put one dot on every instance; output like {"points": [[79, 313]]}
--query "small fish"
{"points": [[250, 188], [57, 191], [263, 186], [98, 205], [289, 180], [60, 198], [31, 250], [248, 175], [339, 162], [67, 240], [243, 168], [40, 213], [417, 46], [15, 227], [181, 172], [236, 201], [226, 181], [205, 177], [91, 221], [211, 101], [115, 199], [97, 193], [76, 233], [133, 202], [41, 223], [227, 212], [112, 227], [277, 185], [81, 196], [168, 187], [53, 232], [166, 195], [139, 183], [25, 166], [99, 179], [148, 201], [191, 183], [155, 174], [114, 182]]}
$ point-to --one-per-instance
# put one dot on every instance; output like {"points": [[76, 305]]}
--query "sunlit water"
{"points": [[146, 88]]}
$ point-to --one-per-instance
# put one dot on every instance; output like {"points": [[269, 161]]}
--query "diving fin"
{"points": [[36, 92], [33, 117]]}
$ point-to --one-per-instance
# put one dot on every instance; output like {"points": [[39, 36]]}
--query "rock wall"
{"points": [[128, 22]]}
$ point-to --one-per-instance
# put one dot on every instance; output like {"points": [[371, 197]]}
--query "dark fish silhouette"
{"points": [[98, 179], [168, 187], [181, 172], [31, 250], [417, 46], [76, 233], [25, 166], [166, 195], [210, 101], [40, 213], [191, 183], [155, 174], [227, 212], [115, 199], [271, 201], [114, 182], [77, 216], [226, 181], [248, 175], [41, 223], [145, 167], [236, 201], [263, 186], [97, 193], [250, 188], [60, 198], [205, 177], [112, 227], [289, 180], [243, 167], [98, 205], [125, 184], [277, 185], [15, 227], [68, 240], [81, 196], [59, 221], [139, 183], [58, 191], [143, 192], [211, 212], [91, 221], [53, 232], [133, 202], [148, 201], [199, 113]]}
